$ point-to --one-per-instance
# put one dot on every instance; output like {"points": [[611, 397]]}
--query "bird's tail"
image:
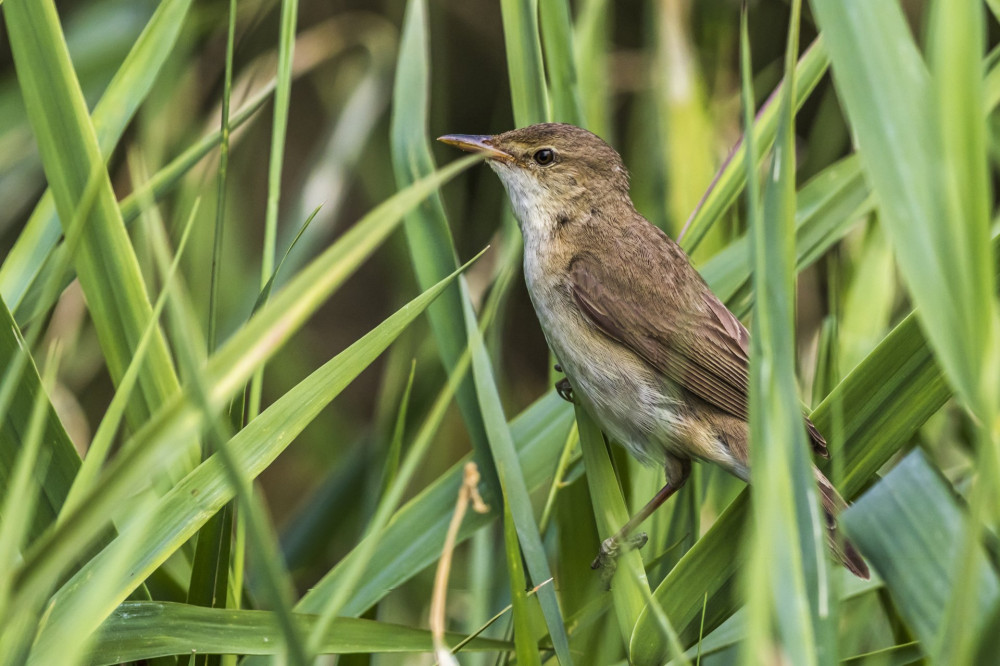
{"points": [[844, 550]]}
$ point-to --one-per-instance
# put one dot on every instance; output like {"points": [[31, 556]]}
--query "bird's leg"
{"points": [[563, 387], [677, 475]]}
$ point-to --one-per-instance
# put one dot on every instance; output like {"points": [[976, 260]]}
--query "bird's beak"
{"points": [[475, 143]]}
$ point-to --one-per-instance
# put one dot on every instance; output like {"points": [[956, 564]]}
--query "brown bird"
{"points": [[652, 354]]}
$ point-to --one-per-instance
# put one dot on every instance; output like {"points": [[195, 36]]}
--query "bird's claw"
{"points": [[611, 550], [565, 390]]}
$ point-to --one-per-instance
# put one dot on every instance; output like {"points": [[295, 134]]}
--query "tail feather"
{"points": [[845, 551]]}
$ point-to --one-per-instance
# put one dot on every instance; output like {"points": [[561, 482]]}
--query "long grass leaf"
{"points": [[126, 91], [182, 511], [915, 169], [610, 513], [428, 236], [560, 62], [787, 577], [515, 488], [538, 432], [171, 433], [282, 95], [143, 630], [730, 180], [107, 266], [20, 386], [525, 70], [911, 529]]}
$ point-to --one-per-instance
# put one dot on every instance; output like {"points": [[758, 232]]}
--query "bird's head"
{"points": [[554, 173]]}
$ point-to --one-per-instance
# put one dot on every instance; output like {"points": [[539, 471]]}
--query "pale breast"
{"points": [[627, 398]]}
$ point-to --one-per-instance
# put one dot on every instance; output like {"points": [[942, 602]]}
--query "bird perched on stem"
{"points": [[651, 353]]}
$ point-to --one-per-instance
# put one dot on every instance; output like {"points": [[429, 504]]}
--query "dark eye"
{"points": [[545, 156]]}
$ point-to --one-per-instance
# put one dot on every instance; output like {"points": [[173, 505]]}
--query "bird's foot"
{"points": [[611, 550], [564, 389]]}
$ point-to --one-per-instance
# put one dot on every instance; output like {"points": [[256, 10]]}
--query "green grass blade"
{"points": [[282, 94], [413, 539], [34, 302], [610, 513], [24, 489], [787, 579], [143, 630], [428, 236], [395, 450], [432, 253], [361, 556], [127, 90], [77, 628], [593, 53], [731, 177], [882, 82], [684, 124], [64, 461], [210, 572], [106, 263], [828, 207], [515, 488], [19, 500], [181, 512], [525, 70], [560, 62], [526, 649], [100, 446], [911, 529], [171, 433], [223, 178]]}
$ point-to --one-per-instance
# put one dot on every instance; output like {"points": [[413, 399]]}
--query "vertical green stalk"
{"points": [[528, 93], [106, 264], [282, 95], [209, 583], [220, 206], [560, 62], [787, 587]]}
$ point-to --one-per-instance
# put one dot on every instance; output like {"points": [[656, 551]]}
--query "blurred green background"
{"points": [[660, 80]]}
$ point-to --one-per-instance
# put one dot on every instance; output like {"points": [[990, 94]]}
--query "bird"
{"points": [[650, 352]]}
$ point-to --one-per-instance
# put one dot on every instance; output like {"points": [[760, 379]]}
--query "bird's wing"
{"points": [[712, 363], [695, 342]]}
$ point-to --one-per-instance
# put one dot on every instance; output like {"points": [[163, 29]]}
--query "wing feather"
{"points": [[694, 340]]}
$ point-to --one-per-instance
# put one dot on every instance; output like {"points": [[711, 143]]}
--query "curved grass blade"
{"points": [[931, 167], [560, 62], [126, 91], [731, 177], [144, 630], [432, 252], [787, 580], [210, 571], [106, 263], [515, 489], [610, 513], [282, 94], [524, 61], [413, 538], [911, 528], [182, 511], [360, 557], [428, 236], [171, 433], [18, 397], [100, 445]]}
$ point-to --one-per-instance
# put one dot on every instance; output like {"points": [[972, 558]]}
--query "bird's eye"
{"points": [[545, 156]]}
